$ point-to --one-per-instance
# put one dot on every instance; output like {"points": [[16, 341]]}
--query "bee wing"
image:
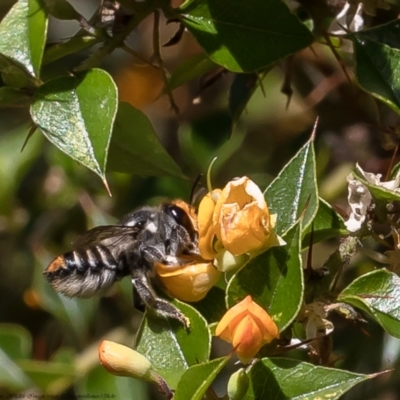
{"points": [[96, 235]]}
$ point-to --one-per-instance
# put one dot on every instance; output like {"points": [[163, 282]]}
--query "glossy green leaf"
{"points": [[25, 26], [377, 56], [378, 294], [77, 115], [274, 279], [294, 192], [378, 192], [172, 349], [135, 147], [327, 224], [192, 68], [197, 379], [281, 379], [243, 38]]}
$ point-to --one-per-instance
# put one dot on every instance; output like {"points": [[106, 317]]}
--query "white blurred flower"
{"points": [[376, 180], [317, 323], [350, 17], [359, 199]]}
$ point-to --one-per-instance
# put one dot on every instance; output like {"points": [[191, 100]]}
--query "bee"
{"points": [[144, 237]]}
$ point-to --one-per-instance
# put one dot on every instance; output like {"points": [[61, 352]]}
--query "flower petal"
{"points": [[205, 224], [238, 310], [189, 282], [247, 339]]}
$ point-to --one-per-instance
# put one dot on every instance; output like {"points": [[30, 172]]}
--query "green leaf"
{"points": [[11, 375], [282, 379], [274, 279], [77, 114], [25, 27], [294, 191], [377, 56], [169, 347], [378, 192], [243, 38], [327, 224], [98, 383], [197, 379], [192, 68], [378, 294], [44, 374], [213, 306], [71, 46], [242, 88], [11, 172], [9, 95], [135, 147], [15, 77], [15, 341]]}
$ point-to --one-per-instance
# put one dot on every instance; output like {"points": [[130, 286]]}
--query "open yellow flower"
{"points": [[189, 282], [248, 327], [236, 218]]}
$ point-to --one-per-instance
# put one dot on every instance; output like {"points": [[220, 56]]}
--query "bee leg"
{"points": [[180, 243], [161, 306]]}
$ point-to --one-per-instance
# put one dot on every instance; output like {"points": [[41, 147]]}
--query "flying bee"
{"points": [[105, 254]]}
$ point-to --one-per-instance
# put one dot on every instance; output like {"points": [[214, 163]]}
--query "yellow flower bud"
{"points": [[248, 327], [124, 361], [189, 282]]}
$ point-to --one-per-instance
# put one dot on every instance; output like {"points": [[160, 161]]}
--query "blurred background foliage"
{"points": [[47, 200]]}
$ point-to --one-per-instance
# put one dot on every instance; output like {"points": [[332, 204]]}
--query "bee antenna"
{"points": [[193, 191]]}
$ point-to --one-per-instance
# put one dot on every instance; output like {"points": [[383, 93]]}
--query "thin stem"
{"points": [[137, 55]]}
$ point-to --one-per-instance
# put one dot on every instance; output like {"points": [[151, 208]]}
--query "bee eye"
{"points": [[181, 218], [140, 224]]}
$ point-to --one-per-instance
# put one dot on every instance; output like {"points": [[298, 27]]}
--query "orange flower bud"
{"points": [[189, 282], [248, 327], [124, 361]]}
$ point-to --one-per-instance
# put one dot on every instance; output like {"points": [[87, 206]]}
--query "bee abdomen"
{"points": [[82, 273]]}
